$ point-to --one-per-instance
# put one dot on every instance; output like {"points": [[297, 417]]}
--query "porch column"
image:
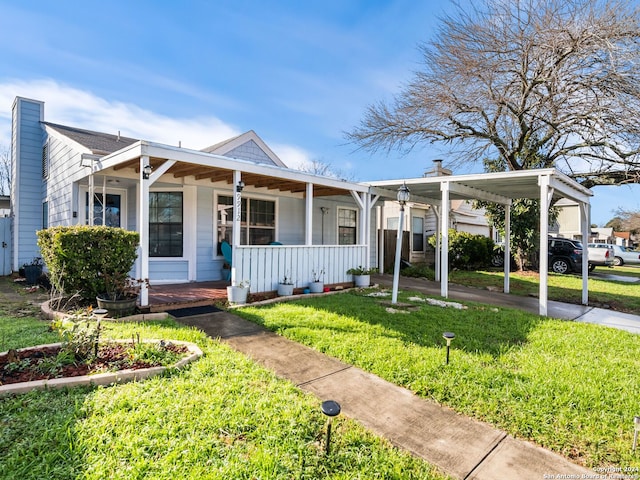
{"points": [[308, 220], [507, 247], [237, 216], [143, 229], [544, 244], [436, 212], [585, 228], [444, 254]]}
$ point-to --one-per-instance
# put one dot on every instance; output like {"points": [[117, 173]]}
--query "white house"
{"points": [[185, 202]]}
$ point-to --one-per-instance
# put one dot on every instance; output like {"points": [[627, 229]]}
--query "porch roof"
{"points": [[499, 187], [208, 166]]}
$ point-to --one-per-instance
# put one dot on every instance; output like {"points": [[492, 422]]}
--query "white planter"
{"points": [[362, 281], [285, 289], [237, 295], [316, 287]]}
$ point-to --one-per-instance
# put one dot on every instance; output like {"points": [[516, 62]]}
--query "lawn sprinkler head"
{"points": [[330, 408]]}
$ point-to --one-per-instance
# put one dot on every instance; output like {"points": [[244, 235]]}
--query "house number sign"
{"points": [[238, 206]]}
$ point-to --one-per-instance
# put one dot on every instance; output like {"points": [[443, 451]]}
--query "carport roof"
{"points": [[500, 187]]}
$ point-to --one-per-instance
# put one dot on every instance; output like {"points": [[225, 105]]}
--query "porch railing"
{"points": [[265, 266]]}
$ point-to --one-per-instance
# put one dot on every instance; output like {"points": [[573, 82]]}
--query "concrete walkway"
{"points": [[461, 447]]}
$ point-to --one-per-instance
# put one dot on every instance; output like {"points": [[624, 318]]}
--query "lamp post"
{"points": [[403, 197]]}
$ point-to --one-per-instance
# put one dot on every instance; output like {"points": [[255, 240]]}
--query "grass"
{"points": [[222, 417], [567, 386], [618, 295]]}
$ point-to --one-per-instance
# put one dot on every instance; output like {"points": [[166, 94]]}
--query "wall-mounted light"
{"points": [[146, 171], [240, 186]]}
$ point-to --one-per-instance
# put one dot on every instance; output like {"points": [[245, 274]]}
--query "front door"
{"points": [[106, 211], [5, 250]]}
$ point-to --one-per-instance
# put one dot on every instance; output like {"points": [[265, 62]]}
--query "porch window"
{"points": [[260, 228], [347, 226], [165, 224], [111, 206], [417, 234]]}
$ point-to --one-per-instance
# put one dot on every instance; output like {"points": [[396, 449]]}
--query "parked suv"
{"points": [[565, 255]]}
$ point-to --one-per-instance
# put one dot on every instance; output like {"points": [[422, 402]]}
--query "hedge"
{"points": [[81, 259]]}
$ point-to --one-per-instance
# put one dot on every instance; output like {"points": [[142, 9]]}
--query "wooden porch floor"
{"points": [[179, 295]]}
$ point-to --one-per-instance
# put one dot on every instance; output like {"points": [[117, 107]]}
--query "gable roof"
{"points": [[246, 146], [99, 143]]}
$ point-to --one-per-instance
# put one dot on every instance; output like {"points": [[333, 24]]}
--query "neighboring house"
{"points": [[183, 202], [602, 235]]}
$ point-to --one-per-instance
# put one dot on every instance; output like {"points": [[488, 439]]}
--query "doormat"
{"points": [[191, 311]]}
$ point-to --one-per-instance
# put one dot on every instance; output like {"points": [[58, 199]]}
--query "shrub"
{"points": [[419, 270], [468, 251], [83, 258]]}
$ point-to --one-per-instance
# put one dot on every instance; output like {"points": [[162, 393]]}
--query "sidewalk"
{"points": [[460, 446]]}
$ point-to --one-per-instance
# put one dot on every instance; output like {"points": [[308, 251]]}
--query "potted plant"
{"points": [[285, 287], [120, 295], [362, 275], [317, 283], [33, 270], [237, 294]]}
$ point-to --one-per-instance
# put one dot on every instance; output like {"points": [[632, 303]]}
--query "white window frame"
{"points": [[357, 226], [82, 204]]}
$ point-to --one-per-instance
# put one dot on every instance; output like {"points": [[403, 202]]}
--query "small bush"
{"points": [[468, 251], [419, 270], [82, 258]]}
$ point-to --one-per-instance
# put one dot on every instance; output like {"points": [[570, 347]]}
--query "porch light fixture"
{"points": [[448, 336], [240, 186], [403, 196], [146, 171], [330, 408]]}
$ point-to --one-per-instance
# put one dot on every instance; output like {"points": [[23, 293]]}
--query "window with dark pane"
{"points": [[347, 226], [417, 231], [260, 229], [165, 224]]}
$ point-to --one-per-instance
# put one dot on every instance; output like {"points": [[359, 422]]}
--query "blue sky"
{"points": [[299, 73]]}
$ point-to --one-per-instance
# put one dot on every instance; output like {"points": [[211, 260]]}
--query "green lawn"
{"points": [[617, 295], [570, 387], [222, 417]]}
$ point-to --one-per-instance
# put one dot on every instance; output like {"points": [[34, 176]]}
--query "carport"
{"points": [[548, 185]]}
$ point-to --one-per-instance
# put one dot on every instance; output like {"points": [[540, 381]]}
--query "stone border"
{"points": [[140, 317], [109, 378]]}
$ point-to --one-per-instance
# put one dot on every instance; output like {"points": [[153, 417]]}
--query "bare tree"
{"points": [[318, 167], [5, 171], [560, 78], [625, 221]]}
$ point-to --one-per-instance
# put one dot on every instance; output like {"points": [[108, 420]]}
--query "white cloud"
{"points": [[80, 108], [293, 157]]}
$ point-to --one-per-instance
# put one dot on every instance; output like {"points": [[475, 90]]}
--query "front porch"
{"points": [[182, 295], [198, 294]]}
